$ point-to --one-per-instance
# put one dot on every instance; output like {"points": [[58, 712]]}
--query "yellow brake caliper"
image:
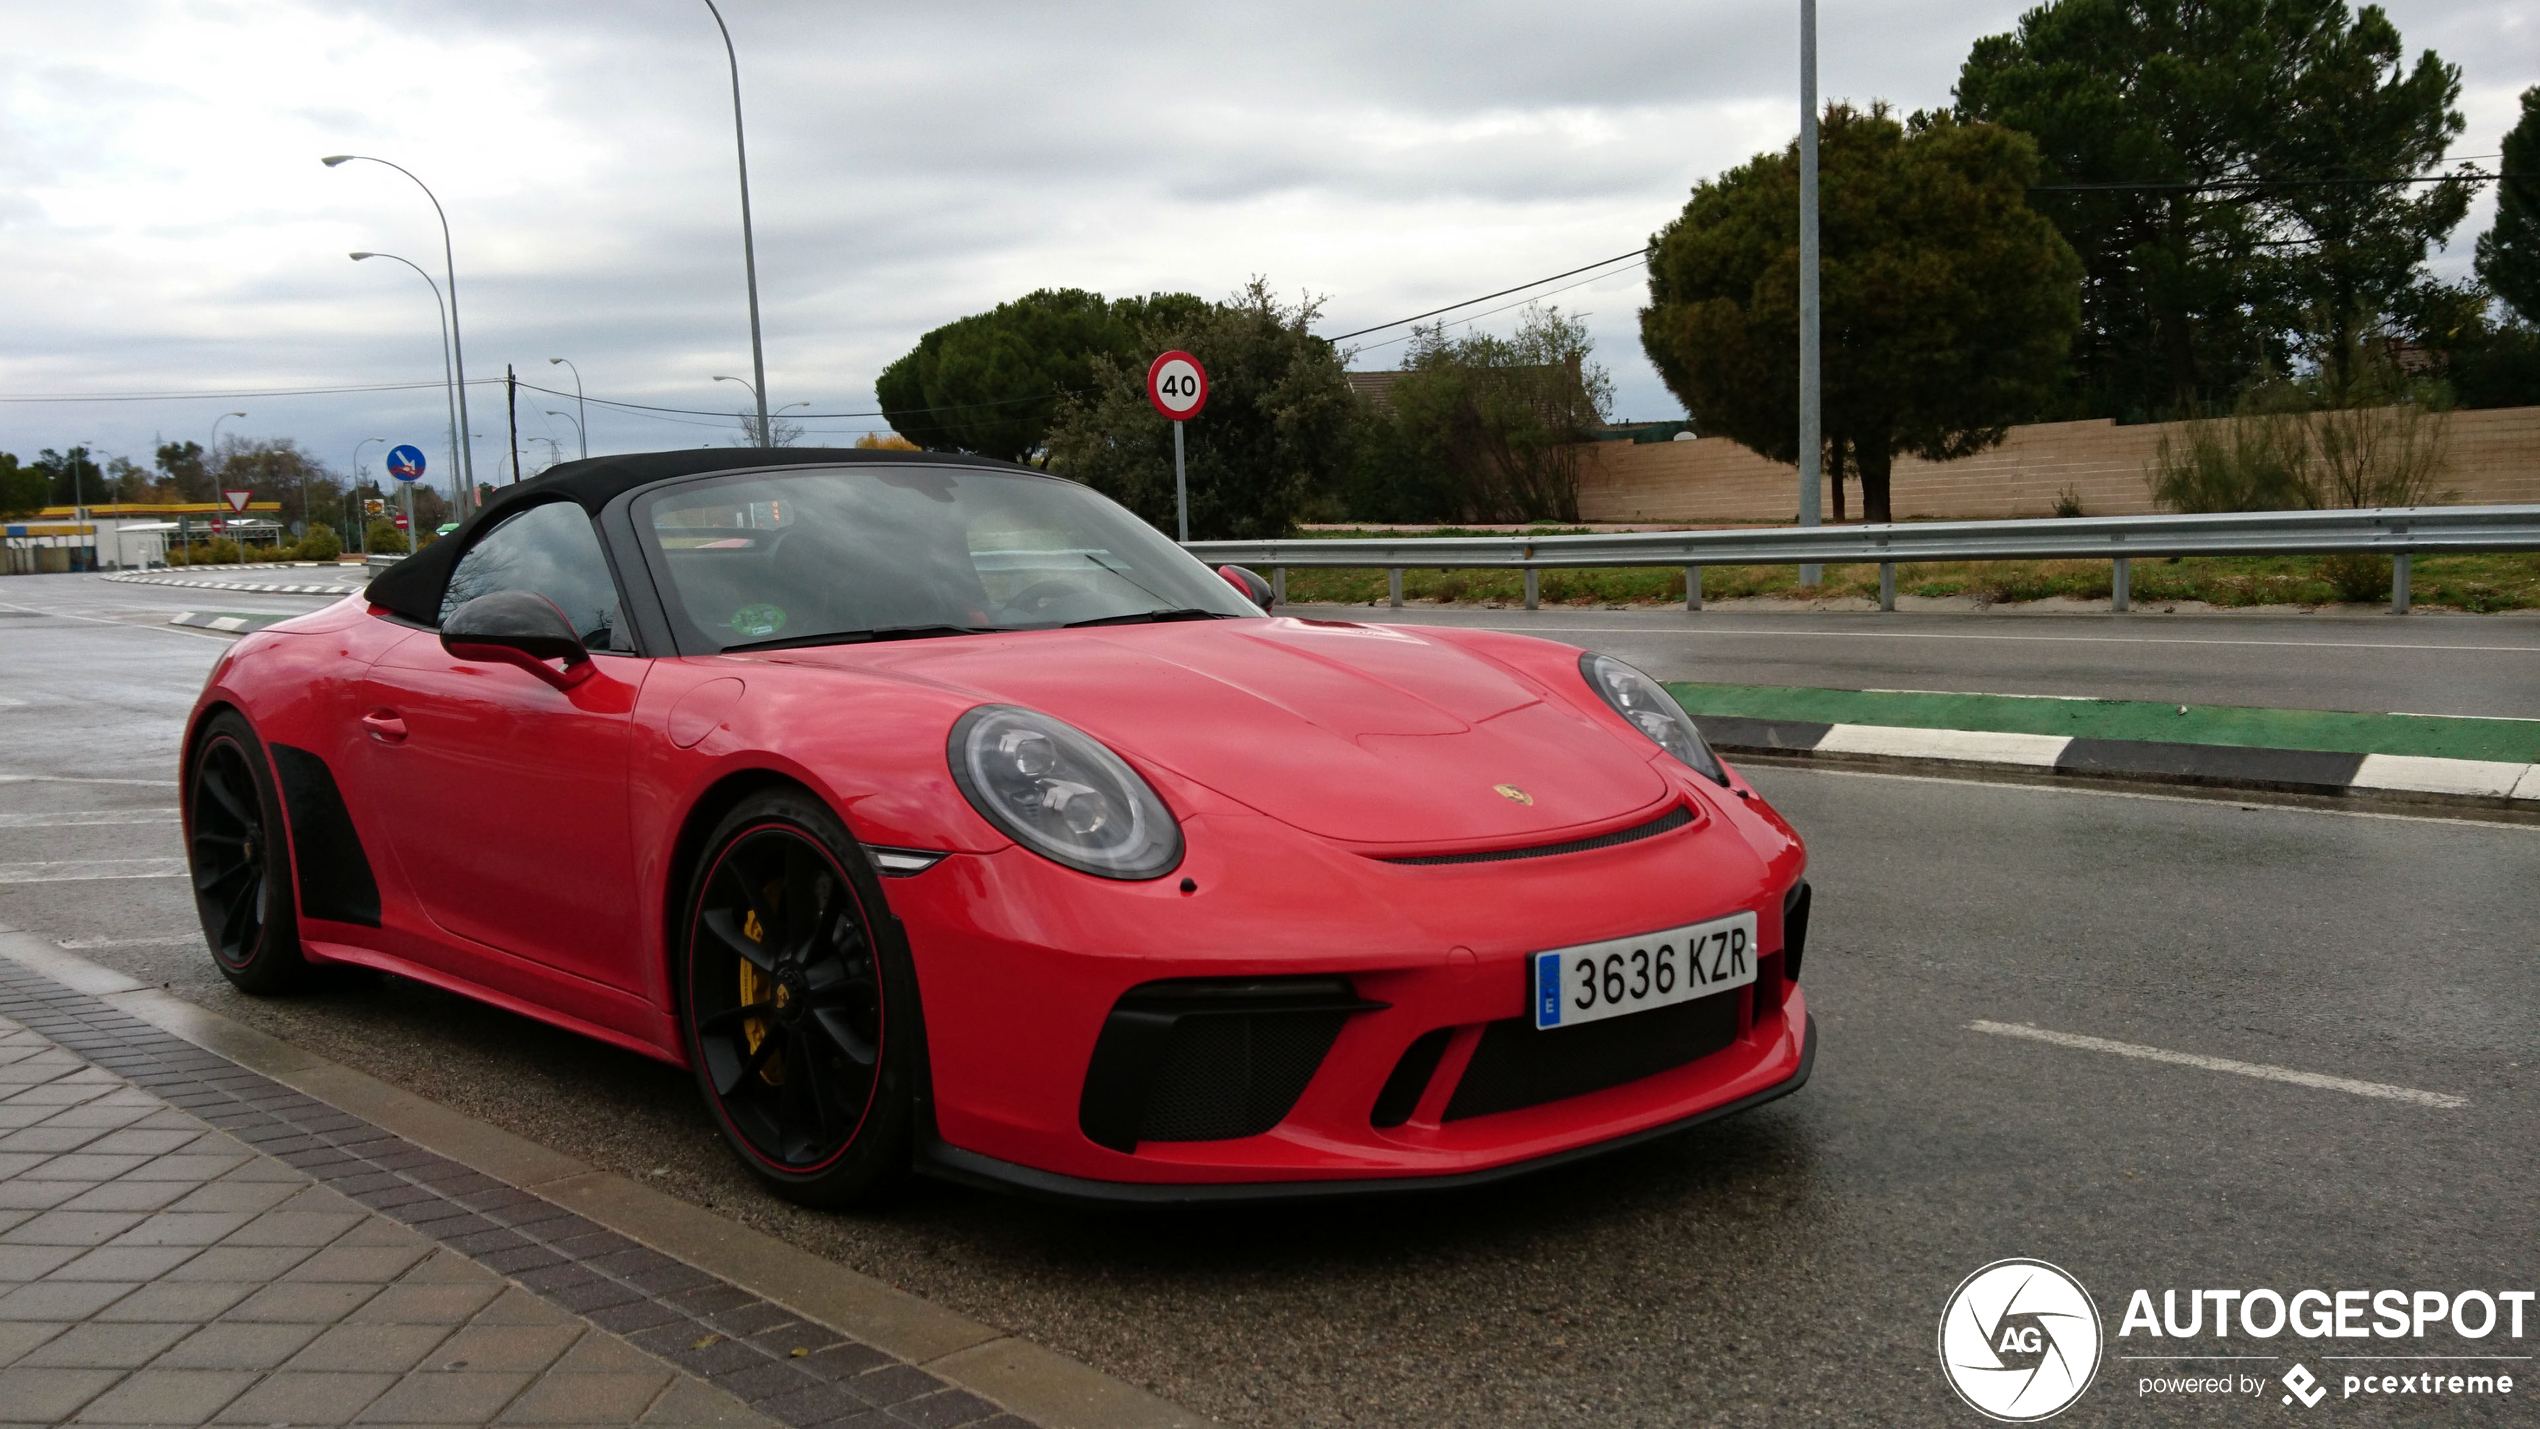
{"points": [[756, 988]]}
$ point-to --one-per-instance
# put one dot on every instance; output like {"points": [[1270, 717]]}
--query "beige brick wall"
{"points": [[2495, 459]]}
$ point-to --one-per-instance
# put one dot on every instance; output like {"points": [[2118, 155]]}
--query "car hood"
{"points": [[1380, 735]]}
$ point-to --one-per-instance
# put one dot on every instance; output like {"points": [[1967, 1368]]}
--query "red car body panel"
{"points": [[526, 843]]}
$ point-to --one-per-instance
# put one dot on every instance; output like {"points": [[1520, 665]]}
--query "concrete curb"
{"points": [[258, 587], [1033, 1381], [2468, 786]]}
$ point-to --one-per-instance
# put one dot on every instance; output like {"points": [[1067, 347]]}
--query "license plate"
{"points": [[1619, 976]]}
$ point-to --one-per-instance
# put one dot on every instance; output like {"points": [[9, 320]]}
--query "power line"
{"points": [[1641, 252], [2203, 185], [1477, 317]]}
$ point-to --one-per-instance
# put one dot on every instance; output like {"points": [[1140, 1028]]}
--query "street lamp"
{"points": [[457, 397], [749, 244], [582, 414], [185, 527], [1811, 389], [458, 350], [577, 430]]}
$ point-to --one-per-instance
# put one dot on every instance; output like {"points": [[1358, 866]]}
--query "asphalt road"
{"points": [[1788, 1266], [2374, 663]]}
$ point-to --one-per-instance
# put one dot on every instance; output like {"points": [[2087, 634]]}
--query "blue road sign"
{"points": [[406, 463]]}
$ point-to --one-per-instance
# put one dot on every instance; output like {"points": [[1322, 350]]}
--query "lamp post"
{"points": [[355, 494], [184, 523], [458, 350], [577, 431], [582, 415], [1811, 389], [456, 397], [749, 244]]}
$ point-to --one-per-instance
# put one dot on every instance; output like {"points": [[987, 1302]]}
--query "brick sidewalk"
{"points": [[188, 1242]]}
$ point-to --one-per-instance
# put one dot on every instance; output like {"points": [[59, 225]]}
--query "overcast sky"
{"points": [[165, 225]]}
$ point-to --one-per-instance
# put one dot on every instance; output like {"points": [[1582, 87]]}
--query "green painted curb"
{"points": [[2504, 740]]}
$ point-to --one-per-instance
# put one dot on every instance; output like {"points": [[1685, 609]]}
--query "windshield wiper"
{"points": [[858, 637], [1145, 617]]}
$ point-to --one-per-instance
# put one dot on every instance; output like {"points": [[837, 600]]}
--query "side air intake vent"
{"points": [[1210, 1059]]}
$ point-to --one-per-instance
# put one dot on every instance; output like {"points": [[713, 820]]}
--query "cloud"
{"points": [[168, 225]]}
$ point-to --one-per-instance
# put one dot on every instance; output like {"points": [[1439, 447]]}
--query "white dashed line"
{"points": [[90, 870], [2259, 1070]]}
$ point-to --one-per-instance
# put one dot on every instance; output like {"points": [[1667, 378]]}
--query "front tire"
{"points": [[239, 857], [798, 1004]]}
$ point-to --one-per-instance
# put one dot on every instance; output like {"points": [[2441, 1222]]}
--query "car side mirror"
{"points": [[518, 627], [1255, 589]]}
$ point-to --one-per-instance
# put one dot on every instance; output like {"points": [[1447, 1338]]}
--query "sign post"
{"points": [[1178, 387], [406, 464]]}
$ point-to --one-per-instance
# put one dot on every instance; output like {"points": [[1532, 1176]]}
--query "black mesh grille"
{"points": [[1227, 1076], [1209, 1059], [1518, 1066], [1675, 818]]}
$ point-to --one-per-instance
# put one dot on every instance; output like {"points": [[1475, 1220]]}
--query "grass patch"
{"points": [[2473, 583]]}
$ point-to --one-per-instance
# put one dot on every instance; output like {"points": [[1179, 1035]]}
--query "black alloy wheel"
{"points": [[240, 864], [798, 1004]]}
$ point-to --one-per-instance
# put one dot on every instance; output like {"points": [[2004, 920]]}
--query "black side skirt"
{"points": [[936, 1157]]}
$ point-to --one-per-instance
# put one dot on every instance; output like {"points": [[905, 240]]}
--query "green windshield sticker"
{"points": [[757, 622]]}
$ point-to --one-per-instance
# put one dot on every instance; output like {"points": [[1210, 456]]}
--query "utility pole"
{"points": [[1811, 389]]}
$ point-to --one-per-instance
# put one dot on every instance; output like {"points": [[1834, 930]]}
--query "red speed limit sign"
{"points": [[1177, 385]]}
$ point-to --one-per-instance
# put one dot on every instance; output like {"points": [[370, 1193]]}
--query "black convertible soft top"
{"points": [[412, 587]]}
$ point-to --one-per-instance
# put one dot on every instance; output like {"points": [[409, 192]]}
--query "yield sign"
{"points": [[237, 499]]}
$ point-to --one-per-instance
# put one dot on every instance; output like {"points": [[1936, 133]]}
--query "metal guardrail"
{"points": [[2397, 532]]}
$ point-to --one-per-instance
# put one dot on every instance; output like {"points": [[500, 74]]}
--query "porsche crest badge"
{"points": [[1511, 791]]}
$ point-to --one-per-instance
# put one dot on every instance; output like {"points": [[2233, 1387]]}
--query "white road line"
{"points": [[90, 870], [187, 940], [2222, 1064], [89, 818], [83, 779]]}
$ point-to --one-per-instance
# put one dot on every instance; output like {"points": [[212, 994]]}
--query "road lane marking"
{"points": [[85, 818], [189, 940], [90, 870], [2484, 778], [2259, 1070], [83, 779]]}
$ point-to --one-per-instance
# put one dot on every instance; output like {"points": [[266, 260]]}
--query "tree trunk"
{"points": [[1874, 459], [1834, 469]]}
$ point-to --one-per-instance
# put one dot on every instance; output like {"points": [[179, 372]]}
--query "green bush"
{"points": [[383, 538], [2357, 575], [319, 544]]}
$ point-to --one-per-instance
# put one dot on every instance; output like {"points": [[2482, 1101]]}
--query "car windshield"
{"points": [[820, 556]]}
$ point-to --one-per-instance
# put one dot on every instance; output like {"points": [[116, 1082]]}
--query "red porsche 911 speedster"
{"points": [[943, 816]]}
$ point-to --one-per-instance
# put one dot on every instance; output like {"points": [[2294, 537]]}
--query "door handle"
{"points": [[385, 726]]}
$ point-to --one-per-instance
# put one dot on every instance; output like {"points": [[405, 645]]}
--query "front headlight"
{"points": [[1651, 710], [1061, 794]]}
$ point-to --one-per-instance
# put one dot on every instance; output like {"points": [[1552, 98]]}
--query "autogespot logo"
{"points": [[2019, 1341]]}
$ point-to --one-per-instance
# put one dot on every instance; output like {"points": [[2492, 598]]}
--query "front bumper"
{"points": [[940, 1158], [1021, 963]]}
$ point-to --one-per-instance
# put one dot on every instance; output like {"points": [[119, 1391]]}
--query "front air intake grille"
{"points": [[1675, 818], [1210, 1059], [1518, 1066]]}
